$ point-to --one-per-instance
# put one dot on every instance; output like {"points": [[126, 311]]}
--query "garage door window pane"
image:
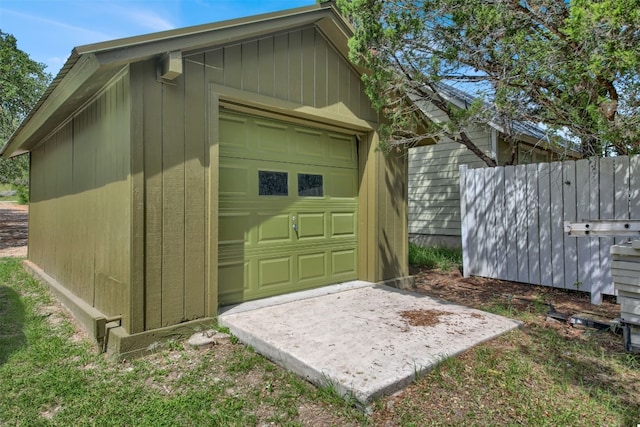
{"points": [[310, 185], [273, 183]]}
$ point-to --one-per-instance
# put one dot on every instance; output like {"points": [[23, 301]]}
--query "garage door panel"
{"points": [[235, 180], [275, 271], [231, 252], [342, 149], [232, 227], [343, 262], [315, 181], [277, 141], [232, 134], [343, 224], [273, 228], [311, 225], [271, 138], [233, 280], [312, 266], [342, 184], [308, 144]]}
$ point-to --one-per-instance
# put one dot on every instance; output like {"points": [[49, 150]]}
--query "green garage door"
{"points": [[288, 208]]}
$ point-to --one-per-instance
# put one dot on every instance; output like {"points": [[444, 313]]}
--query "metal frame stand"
{"points": [[626, 337]]}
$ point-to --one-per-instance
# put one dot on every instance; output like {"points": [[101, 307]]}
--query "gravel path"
{"points": [[13, 230]]}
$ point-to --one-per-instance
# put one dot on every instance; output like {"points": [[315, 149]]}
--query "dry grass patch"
{"points": [[546, 373], [424, 317]]}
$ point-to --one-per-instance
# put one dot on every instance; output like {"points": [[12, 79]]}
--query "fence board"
{"points": [[481, 224], [634, 186], [607, 191], [569, 201], [621, 188], [583, 281], [510, 205], [521, 225], [533, 240], [466, 218], [501, 231], [556, 186], [544, 224], [489, 232], [513, 220], [594, 244], [473, 206]]}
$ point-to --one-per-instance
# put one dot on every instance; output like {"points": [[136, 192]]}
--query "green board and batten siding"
{"points": [[79, 219], [125, 205], [298, 67], [176, 196]]}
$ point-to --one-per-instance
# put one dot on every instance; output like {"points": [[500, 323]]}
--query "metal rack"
{"points": [[625, 270]]}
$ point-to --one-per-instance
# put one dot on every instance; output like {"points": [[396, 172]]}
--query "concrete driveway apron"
{"points": [[365, 340]]}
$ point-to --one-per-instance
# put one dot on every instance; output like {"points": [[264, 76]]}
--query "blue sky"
{"points": [[47, 30]]}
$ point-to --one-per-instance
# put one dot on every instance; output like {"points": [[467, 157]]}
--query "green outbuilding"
{"points": [[177, 172]]}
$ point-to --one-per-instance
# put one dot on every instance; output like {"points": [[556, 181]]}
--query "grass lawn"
{"points": [[7, 187], [51, 374], [435, 257]]}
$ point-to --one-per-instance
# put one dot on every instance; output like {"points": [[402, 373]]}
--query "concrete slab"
{"points": [[364, 339]]}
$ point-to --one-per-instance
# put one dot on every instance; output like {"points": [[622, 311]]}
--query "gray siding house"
{"points": [[434, 193]]}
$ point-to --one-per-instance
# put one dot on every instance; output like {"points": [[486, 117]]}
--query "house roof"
{"points": [[463, 99], [90, 67], [527, 133]]}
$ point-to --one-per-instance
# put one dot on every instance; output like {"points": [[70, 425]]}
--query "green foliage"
{"points": [[5, 188], [22, 83], [435, 257], [23, 194], [15, 170], [570, 65]]}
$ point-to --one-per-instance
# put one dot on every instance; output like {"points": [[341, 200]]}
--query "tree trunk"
{"points": [[467, 142]]}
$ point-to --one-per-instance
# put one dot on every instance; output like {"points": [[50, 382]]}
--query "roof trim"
{"points": [[98, 61], [526, 132], [462, 99]]}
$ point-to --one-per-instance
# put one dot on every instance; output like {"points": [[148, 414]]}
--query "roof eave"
{"points": [[197, 30], [88, 60], [79, 73], [193, 38]]}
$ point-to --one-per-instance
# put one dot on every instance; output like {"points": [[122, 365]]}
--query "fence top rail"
{"points": [[603, 228]]}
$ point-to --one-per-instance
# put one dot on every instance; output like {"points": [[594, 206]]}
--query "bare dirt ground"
{"points": [[477, 292], [13, 230]]}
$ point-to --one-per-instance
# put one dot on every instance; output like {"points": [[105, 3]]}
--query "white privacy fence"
{"points": [[513, 220]]}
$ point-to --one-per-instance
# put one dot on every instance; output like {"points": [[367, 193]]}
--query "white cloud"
{"points": [[55, 62], [86, 33], [155, 23], [139, 16]]}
